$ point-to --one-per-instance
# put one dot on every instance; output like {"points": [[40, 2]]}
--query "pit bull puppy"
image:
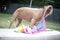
{"points": [[33, 15]]}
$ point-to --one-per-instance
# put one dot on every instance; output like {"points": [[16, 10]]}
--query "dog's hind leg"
{"points": [[13, 19], [19, 21]]}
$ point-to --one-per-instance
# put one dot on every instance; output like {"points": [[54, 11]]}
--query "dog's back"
{"points": [[27, 13]]}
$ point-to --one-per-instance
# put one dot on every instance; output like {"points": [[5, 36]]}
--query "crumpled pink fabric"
{"points": [[28, 30]]}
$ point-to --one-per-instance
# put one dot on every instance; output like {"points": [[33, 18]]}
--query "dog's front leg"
{"points": [[33, 22]]}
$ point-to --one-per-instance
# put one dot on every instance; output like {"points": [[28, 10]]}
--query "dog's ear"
{"points": [[48, 10]]}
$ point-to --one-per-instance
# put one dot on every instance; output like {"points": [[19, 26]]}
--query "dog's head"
{"points": [[48, 10]]}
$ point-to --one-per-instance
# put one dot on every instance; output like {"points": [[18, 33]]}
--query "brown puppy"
{"points": [[33, 15]]}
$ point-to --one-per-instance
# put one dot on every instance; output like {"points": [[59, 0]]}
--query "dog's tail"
{"points": [[14, 17]]}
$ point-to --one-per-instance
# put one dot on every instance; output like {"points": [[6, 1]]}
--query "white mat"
{"points": [[9, 34]]}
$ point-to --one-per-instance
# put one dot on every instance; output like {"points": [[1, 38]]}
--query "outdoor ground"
{"points": [[5, 20]]}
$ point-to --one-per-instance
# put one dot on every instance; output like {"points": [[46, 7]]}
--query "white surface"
{"points": [[9, 34]]}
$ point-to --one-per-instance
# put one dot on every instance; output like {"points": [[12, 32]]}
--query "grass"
{"points": [[5, 20], [53, 25]]}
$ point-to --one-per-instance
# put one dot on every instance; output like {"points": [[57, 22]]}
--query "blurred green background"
{"points": [[7, 7]]}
